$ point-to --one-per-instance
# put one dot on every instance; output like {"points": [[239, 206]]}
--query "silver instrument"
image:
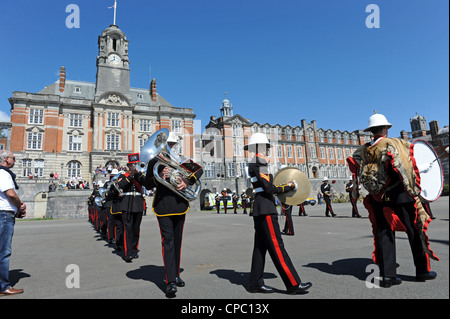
{"points": [[112, 186], [156, 148]]}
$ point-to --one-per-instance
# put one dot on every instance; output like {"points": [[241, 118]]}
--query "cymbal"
{"points": [[288, 174]]}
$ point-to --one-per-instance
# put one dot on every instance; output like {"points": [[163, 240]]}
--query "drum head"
{"points": [[431, 181]]}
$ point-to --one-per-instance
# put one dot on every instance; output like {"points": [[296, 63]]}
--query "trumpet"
{"points": [[156, 148]]}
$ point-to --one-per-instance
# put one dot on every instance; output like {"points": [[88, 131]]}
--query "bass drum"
{"points": [[432, 175]]}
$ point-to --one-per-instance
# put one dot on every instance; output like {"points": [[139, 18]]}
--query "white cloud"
{"points": [[4, 117]]}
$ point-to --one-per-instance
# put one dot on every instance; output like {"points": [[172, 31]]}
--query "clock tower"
{"points": [[113, 66]]}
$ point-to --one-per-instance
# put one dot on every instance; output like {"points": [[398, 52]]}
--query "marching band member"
{"points": [[288, 225], [325, 188], [387, 169], [235, 199], [217, 199], [171, 210], [225, 199], [353, 200], [244, 199], [265, 218], [131, 204]]}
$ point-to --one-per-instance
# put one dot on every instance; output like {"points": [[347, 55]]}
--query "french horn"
{"points": [[288, 174], [156, 148]]}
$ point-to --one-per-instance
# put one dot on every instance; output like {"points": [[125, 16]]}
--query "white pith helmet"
{"points": [[172, 138], [377, 120], [325, 179], [257, 138]]}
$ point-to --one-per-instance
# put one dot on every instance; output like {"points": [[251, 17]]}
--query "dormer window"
{"points": [[77, 89]]}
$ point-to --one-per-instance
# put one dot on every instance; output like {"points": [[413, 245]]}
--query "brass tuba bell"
{"points": [[156, 147]]}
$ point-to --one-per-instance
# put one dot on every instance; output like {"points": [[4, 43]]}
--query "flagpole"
{"points": [[115, 7]]}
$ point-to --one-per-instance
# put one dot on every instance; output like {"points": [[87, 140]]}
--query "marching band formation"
{"points": [[386, 167]]}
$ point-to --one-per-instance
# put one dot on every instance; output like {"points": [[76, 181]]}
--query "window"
{"points": [[241, 168], [113, 119], [300, 151], [75, 142], [77, 89], [38, 167], [339, 153], [354, 139], [237, 130], [238, 149], [36, 116], [330, 137], [312, 151], [176, 126], [289, 151], [140, 96], [75, 120], [34, 141], [321, 137], [230, 170], [35, 169], [112, 142], [331, 153], [346, 139], [288, 135], [73, 169], [279, 151], [322, 152], [209, 170], [26, 167], [145, 125]]}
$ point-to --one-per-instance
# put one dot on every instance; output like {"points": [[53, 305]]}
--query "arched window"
{"points": [[73, 169]]}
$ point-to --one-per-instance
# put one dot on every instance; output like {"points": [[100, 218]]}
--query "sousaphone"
{"points": [[288, 174]]}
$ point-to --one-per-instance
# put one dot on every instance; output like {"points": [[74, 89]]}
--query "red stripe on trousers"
{"points": [[278, 251]]}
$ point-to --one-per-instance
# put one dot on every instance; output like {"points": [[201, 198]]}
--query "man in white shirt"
{"points": [[10, 207]]}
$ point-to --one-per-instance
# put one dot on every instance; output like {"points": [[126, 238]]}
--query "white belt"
{"points": [[259, 190], [132, 193]]}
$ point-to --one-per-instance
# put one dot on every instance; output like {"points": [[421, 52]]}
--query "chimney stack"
{"points": [[153, 90], [62, 79]]}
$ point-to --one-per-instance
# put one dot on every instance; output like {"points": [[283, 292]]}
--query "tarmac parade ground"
{"points": [[67, 259]]}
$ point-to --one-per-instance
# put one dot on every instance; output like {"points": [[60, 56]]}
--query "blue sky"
{"points": [[279, 61]]}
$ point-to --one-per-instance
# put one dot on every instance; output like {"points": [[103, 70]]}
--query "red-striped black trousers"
{"points": [[268, 239]]}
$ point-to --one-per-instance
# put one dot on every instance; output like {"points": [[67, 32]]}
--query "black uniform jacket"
{"points": [[166, 202], [325, 189], [262, 181], [133, 200]]}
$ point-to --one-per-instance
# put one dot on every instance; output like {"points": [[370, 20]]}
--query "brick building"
{"points": [[317, 152], [71, 127]]}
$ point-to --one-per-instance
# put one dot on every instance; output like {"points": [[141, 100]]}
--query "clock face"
{"points": [[114, 59]]}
